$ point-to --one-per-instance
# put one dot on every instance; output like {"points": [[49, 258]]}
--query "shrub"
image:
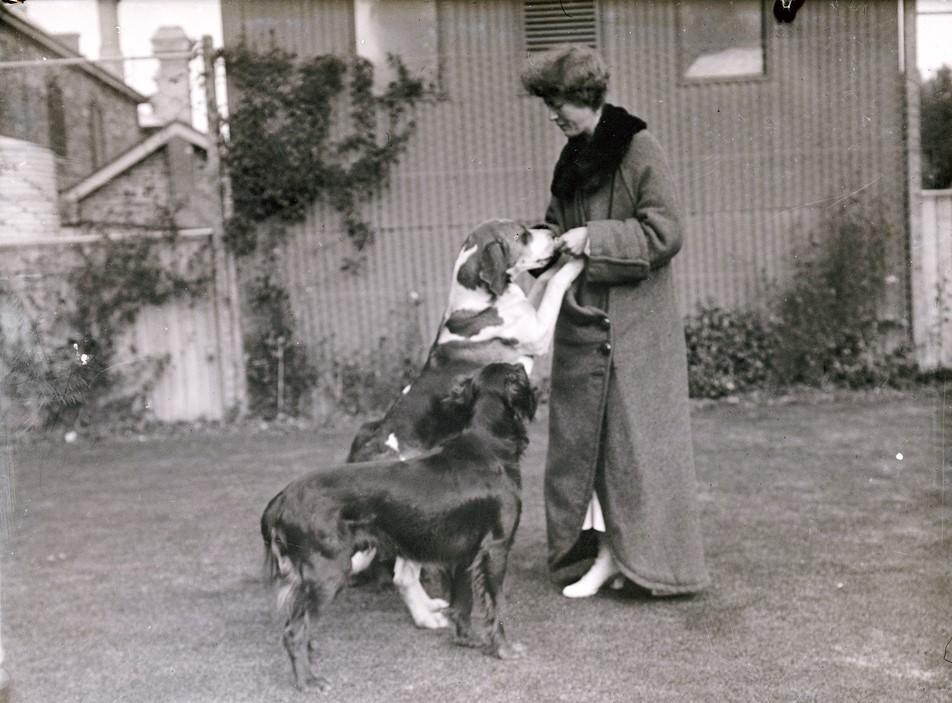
{"points": [[279, 372], [370, 384], [824, 329], [729, 351], [936, 130], [830, 330]]}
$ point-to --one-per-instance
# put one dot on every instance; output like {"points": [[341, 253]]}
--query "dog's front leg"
{"points": [[537, 289], [426, 612], [550, 302]]}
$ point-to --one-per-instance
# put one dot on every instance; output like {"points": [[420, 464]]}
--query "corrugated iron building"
{"points": [[762, 137]]}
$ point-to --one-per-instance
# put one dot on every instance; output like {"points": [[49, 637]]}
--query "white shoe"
{"points": [[603, 570]]}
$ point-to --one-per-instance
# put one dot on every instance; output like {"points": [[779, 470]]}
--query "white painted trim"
{"points": [[130, 158], [901, 22], [74, 61], [24, 26], [23, 243], [937, 193]]}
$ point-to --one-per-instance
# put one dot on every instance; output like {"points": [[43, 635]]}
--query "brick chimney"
{"points": [[173, 98], [108, 11]]}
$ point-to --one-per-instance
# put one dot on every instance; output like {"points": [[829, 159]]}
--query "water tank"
{"points": [[28, 203]]}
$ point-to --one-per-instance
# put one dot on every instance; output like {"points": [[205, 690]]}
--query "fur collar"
{"points": [[587, 163]]}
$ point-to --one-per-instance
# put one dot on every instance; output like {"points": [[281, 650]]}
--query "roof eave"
{"points": [[125, 161], [41, 37]]}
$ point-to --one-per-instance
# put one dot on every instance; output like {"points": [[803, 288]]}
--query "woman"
{"points": [[619, 479]]}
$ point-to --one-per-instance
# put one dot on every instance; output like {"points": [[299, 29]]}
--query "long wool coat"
{"points": [[619, 415]]}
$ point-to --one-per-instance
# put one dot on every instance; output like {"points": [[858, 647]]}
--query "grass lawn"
{"points": [[133, 575]]}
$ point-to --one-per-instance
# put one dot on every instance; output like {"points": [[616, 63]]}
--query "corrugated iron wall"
{"points": [[305, 27], [757, 160]]}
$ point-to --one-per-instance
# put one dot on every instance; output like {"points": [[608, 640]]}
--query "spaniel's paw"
{"points": [[469, 639], [510, 650], [318, 682]]}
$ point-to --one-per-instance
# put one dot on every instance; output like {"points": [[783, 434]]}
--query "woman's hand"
{"points": [[575, 241]]}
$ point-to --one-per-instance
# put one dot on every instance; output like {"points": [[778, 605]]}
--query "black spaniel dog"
{"points": [[456, 507]]}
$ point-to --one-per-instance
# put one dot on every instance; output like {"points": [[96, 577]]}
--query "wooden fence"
{"points": [[174, 353], [932, 281]]}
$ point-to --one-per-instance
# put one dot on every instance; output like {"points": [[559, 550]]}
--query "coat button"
{"points": [[605, 323], [605, 348]]}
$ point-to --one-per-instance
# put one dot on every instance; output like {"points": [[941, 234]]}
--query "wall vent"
{"points": [[549, 23]]}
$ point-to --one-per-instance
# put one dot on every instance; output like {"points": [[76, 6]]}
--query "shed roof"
{"points": [[129, 158]]}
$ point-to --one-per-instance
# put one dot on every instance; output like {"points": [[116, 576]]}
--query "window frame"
{"points": [[684, 80], [97, 134], [56, 118], [439, 82]]}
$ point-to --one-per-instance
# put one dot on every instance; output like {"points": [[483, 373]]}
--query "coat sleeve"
{"points": [[553, 217], [626, 250]]}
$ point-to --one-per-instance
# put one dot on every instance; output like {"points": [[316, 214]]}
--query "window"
{"points": [[97, 134], [721, 39], [56, 117], [548, 24], [406, 28]]}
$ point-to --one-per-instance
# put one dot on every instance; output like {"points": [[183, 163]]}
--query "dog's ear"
{"points": [[365, 442], [493, 267], [447, 414], [460, 396], [520, 394]]}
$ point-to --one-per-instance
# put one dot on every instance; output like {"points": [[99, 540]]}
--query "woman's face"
{"points": [[572, 119]]}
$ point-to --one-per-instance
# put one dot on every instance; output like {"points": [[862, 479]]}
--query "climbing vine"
{"points": [[61, 367], [287, 148], [300, 132]]}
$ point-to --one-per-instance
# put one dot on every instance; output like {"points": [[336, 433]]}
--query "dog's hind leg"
{"points": [[320, 580], [426, 612], [295, 639], [488, 574]]}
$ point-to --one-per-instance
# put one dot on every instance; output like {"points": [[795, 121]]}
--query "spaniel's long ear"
{"points": [[493, 267], [520, 394], [460, 396]]}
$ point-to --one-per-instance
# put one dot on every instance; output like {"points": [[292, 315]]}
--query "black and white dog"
{"points": [[488, 319], [456, 507]]}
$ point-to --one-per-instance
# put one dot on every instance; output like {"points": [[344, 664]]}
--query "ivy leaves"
{"points": [[301, 132], [288, 150]]}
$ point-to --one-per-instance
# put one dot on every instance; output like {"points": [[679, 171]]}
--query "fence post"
{"points": [[226, 296], [6, 530]]}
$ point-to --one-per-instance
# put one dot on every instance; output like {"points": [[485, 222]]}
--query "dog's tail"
{"points": [[278, 564]]}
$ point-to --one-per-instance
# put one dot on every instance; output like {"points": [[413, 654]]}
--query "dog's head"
{"points": [[506, 382], [510, 383], [504, 248]]}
